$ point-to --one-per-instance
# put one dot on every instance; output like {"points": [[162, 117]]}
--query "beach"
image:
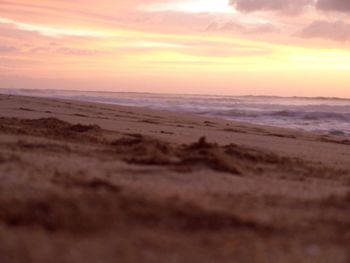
{"points": [[90, 182]]}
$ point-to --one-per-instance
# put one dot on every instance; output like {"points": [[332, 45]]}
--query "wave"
{"points": [[316, 115], [284, 114]]}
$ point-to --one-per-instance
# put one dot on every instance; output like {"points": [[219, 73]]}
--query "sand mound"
{"points": [[234, 159], [244, 160], [49, 127], [147, 151]]}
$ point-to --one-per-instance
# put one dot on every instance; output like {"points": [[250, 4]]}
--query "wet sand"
{"points": [[88, 182]]}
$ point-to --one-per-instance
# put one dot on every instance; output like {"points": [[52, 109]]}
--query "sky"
{"points": [[222, 47]]}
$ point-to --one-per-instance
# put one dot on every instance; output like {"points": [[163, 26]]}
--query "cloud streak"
{"points": [[7, 49], [53, 31]]}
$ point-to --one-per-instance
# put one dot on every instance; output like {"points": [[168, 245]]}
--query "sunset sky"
{"points": [[258, 47]]}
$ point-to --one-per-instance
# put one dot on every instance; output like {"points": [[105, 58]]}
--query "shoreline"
{"points": [[91, 181], [173, 94], [330, 119]]}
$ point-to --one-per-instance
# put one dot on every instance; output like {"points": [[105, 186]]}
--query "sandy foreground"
{"points": [[87, 182]]}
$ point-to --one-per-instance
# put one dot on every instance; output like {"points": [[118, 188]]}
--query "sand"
{"points": [[88, 182]]}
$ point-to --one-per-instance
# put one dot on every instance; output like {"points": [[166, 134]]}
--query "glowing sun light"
{"points": [[193, 6]]}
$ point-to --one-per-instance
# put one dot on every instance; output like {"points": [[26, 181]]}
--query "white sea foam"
{"points": [[323, 115]]}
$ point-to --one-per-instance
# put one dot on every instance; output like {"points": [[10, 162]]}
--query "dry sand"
{"points": [[86, 182]]}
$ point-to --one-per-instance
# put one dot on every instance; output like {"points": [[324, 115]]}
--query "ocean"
{"points": [[321, 115]]}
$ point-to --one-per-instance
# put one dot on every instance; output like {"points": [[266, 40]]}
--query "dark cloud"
{"points": [[290, 6], [287, 6], [338, 30], [334, 5]]}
